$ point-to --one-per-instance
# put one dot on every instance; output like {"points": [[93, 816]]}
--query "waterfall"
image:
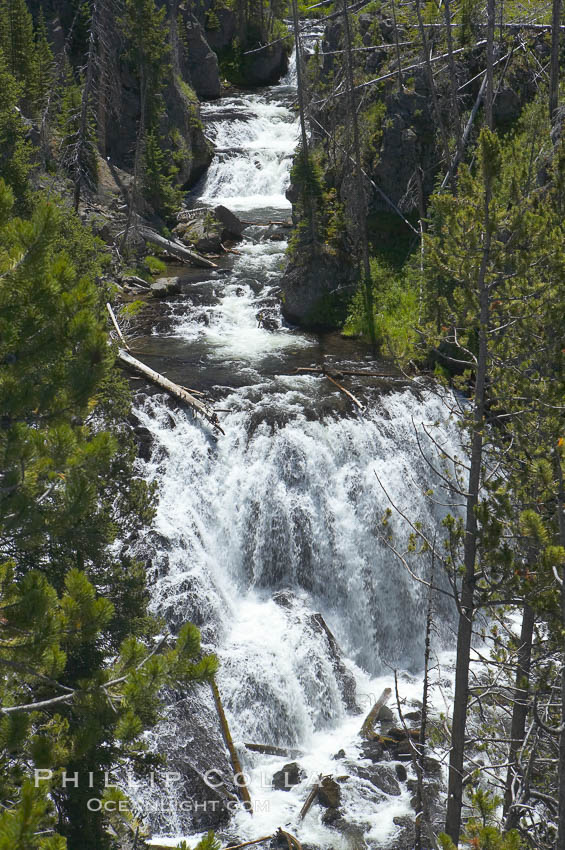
{"points": [[272, 538]]}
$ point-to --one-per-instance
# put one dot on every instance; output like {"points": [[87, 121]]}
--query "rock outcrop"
{"points": [[309, 283]]}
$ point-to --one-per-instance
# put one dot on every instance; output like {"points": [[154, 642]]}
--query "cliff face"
{"points": [[401, 143], [199, 35]]}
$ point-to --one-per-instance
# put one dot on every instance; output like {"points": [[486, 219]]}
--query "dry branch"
{"points": [[242, 788], [367, 730], [268, 750], [175, 248], [309, 800], [207, 412]]}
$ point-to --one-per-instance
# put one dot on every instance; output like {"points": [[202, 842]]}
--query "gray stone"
{"points": [[291, 774], [165, 286], [330, 816], [199, 60], [381, 776], [401, 773], [309, 280], [329, 793], [233, 227]]}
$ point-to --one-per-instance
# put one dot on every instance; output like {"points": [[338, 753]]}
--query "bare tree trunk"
{"points": [[421, 813], [452, 78], [82, 141], [398, 58], [519, 712], [139, 149], [560, 845], [309, 201], [489, 100], [554, 63], [361, 202], [431, 83], [466, 600]]}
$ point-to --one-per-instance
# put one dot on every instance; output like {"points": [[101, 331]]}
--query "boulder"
{"points": [[381, 776], [331, 816], [165, 286], [290, 775], [233, 227], [401, 773], [329, 793], [199, 60], [267, 66], [203, 232], [308, 284], [372, 750], [385, 714]]}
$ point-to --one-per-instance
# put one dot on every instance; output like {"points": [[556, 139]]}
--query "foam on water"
{"points": [[282, 517]]}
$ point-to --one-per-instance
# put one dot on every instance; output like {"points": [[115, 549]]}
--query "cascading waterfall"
{"points": [[274, 533]]}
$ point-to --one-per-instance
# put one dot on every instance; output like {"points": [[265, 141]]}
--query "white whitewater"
{"points": [[282, 518]]}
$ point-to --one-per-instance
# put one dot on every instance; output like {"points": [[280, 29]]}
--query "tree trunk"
{"points": [[560, 845], [239, 776], [82, 141], [198, 406], [176, 249], [490, 64], [466, 601], [304, 152], [519, 712], [361, 202], [367, 729], [554, 63]]}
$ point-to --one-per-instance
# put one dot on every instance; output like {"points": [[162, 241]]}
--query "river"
{"points": [[259, 532]]}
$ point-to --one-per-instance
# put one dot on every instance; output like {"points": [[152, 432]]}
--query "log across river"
{"points": [[270, 537]]}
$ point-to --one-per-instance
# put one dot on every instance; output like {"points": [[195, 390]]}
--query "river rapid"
{"points": [[270, 538]]}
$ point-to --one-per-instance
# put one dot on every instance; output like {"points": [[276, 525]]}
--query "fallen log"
{"points": [[345, 392], [177, 249], [292, 842], [116, 325], [207, 412], [268, 750], [134, 280], [242, 788], [309, 800], [249, 843], [367, 730]]}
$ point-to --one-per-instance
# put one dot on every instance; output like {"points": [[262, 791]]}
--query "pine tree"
{"points": [[18, 45]]}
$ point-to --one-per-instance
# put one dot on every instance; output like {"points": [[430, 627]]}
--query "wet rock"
{"points": [[192, 739], [381, 776], [308, 282], [413, 716], [270, 323], [200, 60], [401, 773], [144, 440], [233, 227], [203, 232], [267, 66], [331, 816], [329, 793], [339, 755], [290, 775], [404, 839], [385, 714], [372, 750], [165, 286]]}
